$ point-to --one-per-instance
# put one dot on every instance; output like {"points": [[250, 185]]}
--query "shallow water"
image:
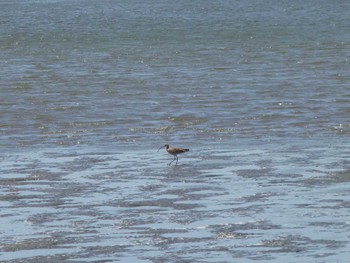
{"points": [[257, 91], [275, 203]]}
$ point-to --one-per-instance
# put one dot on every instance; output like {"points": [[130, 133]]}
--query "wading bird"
{"points": [[174, 151]]}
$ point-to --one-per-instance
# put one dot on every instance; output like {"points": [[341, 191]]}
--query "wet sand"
{"points": [[274, 204]]}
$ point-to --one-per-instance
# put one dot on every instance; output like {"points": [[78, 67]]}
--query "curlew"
{"points": [[174, 151]]}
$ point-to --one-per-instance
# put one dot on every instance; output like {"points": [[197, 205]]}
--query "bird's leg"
{"points": [[177, 158], [172, 160]]}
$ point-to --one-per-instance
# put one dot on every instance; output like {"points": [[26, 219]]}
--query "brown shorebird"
{"points": [[174, 151]]}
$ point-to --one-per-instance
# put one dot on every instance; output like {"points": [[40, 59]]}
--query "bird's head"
{"points": [[166, 147]]}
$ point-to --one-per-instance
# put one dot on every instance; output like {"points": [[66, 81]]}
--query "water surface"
{"points": [[258, 91]]}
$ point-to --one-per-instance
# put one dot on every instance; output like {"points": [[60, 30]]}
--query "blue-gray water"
{"points": [[258, 90]]}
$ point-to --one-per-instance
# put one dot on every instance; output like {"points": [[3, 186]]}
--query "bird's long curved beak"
{"points": [[161, 148]]}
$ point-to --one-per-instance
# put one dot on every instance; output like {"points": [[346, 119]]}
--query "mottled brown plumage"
{"points": [[174, 151]]}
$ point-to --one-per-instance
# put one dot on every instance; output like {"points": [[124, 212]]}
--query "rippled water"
{"points": [[257, 90]]}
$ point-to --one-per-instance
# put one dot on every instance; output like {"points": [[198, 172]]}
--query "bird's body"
{"points": [[174, 151]]}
